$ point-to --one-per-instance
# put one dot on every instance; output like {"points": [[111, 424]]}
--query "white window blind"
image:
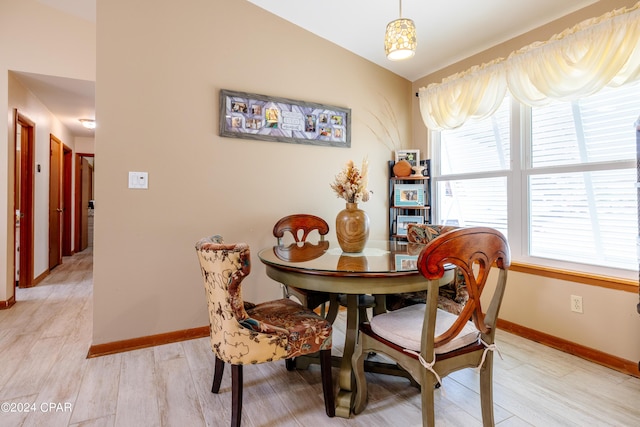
{"points": [[482, 146], [570, 198], [474, 202], [474, 160], [594, 129], [581, 184]]}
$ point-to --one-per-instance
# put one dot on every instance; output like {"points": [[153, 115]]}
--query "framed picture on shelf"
{"points": [[406, 262], [408, 195], [427, 167], [412, 156], [404, 220]]}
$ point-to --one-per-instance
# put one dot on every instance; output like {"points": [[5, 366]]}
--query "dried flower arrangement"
{"points": [[351, 183]]}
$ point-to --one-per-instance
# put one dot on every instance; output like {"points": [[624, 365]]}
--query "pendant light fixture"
{"points": [[400, 39]]}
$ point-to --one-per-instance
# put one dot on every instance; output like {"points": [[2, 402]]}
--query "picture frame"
{"points": [[406, 262], [268, 118], [408, 195], [427, 167], [412, 156], [403, 220]]}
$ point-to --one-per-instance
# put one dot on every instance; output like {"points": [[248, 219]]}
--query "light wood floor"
{"points": [[45, 337]]}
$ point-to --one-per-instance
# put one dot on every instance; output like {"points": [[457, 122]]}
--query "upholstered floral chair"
{"points": [[245, 333], [453, 296]]}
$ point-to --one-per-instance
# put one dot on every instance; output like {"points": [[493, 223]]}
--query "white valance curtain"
{"points": [[573, 64]]}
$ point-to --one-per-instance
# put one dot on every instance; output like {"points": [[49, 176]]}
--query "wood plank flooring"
{"points": [[45, 337]]}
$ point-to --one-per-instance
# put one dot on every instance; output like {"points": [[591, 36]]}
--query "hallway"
{"points": [[44, 339]]}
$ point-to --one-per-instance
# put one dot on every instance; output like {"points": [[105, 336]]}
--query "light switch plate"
{"points": [[139, 180]]}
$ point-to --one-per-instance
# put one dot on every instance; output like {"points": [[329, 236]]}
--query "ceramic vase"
{"points": [[352, 228]]}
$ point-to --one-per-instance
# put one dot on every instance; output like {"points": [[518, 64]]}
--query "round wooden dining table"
{"points": [[383, 267]]}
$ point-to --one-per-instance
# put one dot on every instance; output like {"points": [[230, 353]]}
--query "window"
{"points": [[471, 183], [559, 180]]}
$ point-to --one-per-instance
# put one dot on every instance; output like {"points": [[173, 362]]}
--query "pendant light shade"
{"points": [[400, 39]]}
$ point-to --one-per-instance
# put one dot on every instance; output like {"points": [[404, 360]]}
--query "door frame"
{"points": [[24, 183], [78, 200], [55, 202], [67, 205]]}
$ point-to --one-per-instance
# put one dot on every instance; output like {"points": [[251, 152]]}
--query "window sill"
{"points": [[617, 283]]}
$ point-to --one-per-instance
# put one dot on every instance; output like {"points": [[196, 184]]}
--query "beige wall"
{"points": [[610, 322], [157, 105], [85, 145]]}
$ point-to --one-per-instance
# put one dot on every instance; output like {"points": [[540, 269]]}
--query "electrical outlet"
{"points": [[576, 303]]}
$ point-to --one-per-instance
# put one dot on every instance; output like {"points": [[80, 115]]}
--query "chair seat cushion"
{"points": [[306, 331], [404, 328]]}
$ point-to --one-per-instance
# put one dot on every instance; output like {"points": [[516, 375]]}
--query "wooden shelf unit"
{"points": [[423, 211]]}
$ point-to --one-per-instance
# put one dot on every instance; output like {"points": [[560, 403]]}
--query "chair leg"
{"points": [[285, 291], [290, 364], [323, 310], [327, 382], [427, 397], [486, 390], [217, 375], [236, 395], [363, 316], [334, 306]]}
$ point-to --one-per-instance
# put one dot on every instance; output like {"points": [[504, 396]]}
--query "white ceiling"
{"points": [[448, 31], [68, 99]]}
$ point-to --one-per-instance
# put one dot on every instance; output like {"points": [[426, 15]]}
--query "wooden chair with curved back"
{"points": [[300, 226], [244, 333], [429, 342]]}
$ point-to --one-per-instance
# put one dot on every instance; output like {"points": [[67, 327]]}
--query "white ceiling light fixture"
{"points": [[400, 39], [88, 123]]}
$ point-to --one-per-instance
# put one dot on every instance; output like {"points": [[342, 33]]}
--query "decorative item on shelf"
{"points": [[412, 156], [402, 169], [417, 170], [406, 160], [427, 167], [352, 223], [404, 220], [408, 195]]}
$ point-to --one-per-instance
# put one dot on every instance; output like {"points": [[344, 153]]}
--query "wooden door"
{"points": [[86, 196], [24, 138], [84, 193], [67, 167], [55, 203]]}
